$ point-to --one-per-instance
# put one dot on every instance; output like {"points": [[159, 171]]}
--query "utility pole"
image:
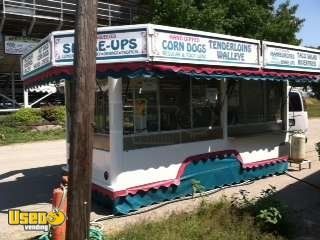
{"points": [[82, 101]]}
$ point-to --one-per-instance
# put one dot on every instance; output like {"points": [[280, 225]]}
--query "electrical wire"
{"points": [[304, 181]]}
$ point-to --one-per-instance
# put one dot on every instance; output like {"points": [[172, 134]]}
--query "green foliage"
{"points": [[246, 18], [212, 221], [197, 187], [313, 107], [18, 127], [316, 89], [54, 114], [270, 213], [24, 117], [10, 135]]}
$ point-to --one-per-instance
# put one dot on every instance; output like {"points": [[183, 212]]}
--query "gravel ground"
{"points": [[30, 171]]}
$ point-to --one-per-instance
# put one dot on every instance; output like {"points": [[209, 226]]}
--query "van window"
{"points": [[294, 102]]}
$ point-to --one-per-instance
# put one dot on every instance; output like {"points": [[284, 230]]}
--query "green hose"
{"points": [[95, 233]]}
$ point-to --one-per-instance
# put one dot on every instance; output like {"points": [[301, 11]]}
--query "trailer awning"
{"points": [[160, 70]]}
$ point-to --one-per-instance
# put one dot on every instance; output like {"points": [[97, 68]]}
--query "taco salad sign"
{"points": [[192, 48], [281, 56]]}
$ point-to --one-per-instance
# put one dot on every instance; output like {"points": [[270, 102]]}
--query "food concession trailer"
{"points": [[176, 105]]}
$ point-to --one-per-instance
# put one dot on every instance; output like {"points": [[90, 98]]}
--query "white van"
{"points": [[298, 115]]}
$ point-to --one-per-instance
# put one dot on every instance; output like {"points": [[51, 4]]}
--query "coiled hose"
{"points": [[95, 233]]}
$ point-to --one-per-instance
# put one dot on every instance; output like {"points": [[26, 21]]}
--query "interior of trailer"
{"points": [[181, 109]]}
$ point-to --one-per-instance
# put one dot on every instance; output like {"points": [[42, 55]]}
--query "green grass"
{"points": [[17, 127], [211, 221], [9, 135], [313, 106]]}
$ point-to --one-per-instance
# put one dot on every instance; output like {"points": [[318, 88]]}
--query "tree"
{"points": [[247, 18], [315, 86]]}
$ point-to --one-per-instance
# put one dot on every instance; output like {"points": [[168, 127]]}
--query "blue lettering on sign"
{"points": [[122, 44], [198, 48], [181, 46], [230, 46], [68, 48], [133, 43], [173, 45], [230, 56], [230, 51], [101, 46], [115, 45]]}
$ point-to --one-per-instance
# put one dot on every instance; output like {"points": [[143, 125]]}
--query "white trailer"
{"points": [[176, 105]]}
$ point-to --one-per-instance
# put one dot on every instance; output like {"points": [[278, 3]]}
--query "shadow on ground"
{"points": [[31, 186], [303, 201]]}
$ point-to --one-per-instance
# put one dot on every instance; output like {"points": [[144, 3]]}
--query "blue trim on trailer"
{"points": [[211, 173]]}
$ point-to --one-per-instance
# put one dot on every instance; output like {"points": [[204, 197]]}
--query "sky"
{"points": [[310, 11]]}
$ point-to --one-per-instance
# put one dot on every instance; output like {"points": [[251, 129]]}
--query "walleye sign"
{"points": [[179, 47]]}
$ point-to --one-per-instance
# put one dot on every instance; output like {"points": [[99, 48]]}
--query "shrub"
{"points": [[23, 117], [270, 213], [55, 115]]}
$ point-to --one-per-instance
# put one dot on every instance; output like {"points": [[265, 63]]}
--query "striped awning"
{"points": [[160, 70]]}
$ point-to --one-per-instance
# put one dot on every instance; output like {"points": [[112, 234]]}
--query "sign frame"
{"points": [[105, 30], [147, 49], [265, 65], [215, 36], [42, 68]]}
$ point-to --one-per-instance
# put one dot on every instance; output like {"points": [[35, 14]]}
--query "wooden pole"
{"points": [[82, 97]]}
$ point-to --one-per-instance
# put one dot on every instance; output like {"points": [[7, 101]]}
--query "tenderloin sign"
{"points": [[205, 50]]}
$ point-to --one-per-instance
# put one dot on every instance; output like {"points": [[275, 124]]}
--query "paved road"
{"points": [[29, 172]]}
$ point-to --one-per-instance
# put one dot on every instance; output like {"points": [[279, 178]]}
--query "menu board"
{"points": [[37, 59], [288, 57], [119, 46], [179, 47]]}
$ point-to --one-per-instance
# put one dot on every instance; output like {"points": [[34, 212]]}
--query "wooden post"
{"points": [[82, 97]]}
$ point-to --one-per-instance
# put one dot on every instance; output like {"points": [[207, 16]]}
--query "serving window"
{"points": [[175, 110], [101, 137], [254, 106], [170, 110]]}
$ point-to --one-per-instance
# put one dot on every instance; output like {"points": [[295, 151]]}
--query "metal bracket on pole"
{"points": [[31, 25], [61, 16], [2, 22], [4, 16], [33, 18]]}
